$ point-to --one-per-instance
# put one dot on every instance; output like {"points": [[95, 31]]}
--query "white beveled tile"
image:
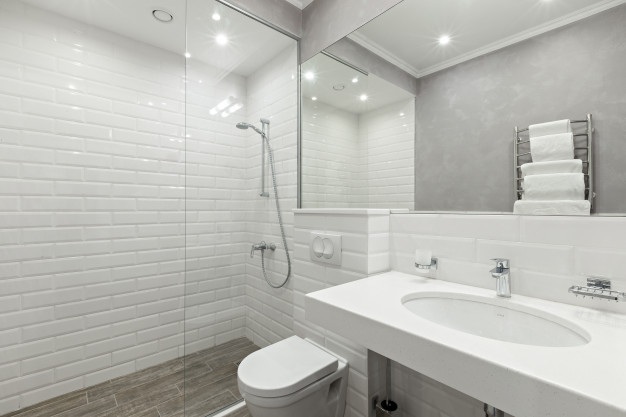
{"points": [[546, 258], [598, 232], [601, 263], [446, 247]]}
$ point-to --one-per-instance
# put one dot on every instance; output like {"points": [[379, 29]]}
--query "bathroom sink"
{"points": [[496, 319]]}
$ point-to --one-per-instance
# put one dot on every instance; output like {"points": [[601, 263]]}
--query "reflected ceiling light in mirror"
{"points": [[234, 108], [363, 97], [309, 75], [355, 80], [401, 114], [216, 16], [314, 98], [221, 39], [444, 39], [221, 106], [187, 55]]}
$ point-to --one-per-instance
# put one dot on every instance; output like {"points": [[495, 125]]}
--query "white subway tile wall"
{"points": [[363, 160], [93, 160], [330, 155], [272, 94], [362, 234], [548, 253], [387, 168]]}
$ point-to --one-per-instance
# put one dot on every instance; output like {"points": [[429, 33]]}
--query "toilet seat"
{"points": [[284, 368]]}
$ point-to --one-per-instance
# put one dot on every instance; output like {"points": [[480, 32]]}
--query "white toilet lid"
{"points": [[284, 368]]}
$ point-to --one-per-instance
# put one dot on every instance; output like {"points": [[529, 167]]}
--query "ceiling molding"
{"points": [[372, 46], [503, 43]]}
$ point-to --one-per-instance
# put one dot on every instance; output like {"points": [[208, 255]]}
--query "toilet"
{"points": [[293, 378]]}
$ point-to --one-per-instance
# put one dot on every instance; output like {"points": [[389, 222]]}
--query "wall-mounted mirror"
{"points": [[358, 135], [477, 76]]}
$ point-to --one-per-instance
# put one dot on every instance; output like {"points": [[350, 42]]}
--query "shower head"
{"points": [[244, 126]]}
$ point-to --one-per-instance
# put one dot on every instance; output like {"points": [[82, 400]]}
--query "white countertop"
{"points": [[522, 380]]}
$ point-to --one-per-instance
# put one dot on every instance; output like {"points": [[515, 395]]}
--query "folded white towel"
{"points": [[553, 208], [552, 147], [571, 166], [554, 187], [550, 128]]}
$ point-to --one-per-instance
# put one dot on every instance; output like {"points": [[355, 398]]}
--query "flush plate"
{"points": [[325, 248]]}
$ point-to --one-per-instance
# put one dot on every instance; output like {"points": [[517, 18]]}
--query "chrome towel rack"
{"points": [[583, 149]]}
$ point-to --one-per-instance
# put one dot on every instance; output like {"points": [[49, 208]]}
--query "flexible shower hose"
{"points": [[270, 154]]}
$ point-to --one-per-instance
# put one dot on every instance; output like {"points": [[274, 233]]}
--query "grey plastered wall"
{"points": [[355, 54], [326, 21], [465, 115]]}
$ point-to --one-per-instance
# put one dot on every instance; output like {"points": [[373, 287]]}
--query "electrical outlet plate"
{"points": [[325, 248]]}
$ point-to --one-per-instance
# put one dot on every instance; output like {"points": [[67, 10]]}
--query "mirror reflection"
{"points": [[483, 79], [358, 134]]}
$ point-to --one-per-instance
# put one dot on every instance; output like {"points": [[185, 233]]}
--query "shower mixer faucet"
{"points": [[261, 246]]}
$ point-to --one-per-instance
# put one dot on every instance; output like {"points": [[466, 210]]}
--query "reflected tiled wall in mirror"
{"points": [[357, 138]]}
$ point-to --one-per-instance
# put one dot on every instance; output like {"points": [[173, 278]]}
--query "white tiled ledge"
{"points": [[522, 380], [348, 211]]}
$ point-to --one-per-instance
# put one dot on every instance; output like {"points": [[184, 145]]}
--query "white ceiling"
{"points": [[251, 44], [407, 35], [329, 72], [301, 4]]}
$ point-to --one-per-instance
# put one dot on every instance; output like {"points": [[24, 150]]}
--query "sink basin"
{"points": [[496, 319]]}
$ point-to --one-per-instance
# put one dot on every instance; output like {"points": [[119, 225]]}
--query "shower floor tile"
{"points": [[194, 386]]}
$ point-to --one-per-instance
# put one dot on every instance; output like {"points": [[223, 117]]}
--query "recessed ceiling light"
{"points": [[401, 114], [309, 75], [216, 16], [444, 39], [355, 80], [314, 98], [363, 97], [187, 55], [162, 16], [221, 39]]}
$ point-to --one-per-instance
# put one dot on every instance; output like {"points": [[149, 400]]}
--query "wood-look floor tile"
{"points": [[90, 409], [231, 357], [208, 376], [165, 386], [199, 394], [204, 408], [135, 379], [52, 407], [190, 385], [218, 350]]}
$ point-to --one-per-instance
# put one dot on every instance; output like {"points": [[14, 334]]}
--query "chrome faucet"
{"points": [[261, 246], [503, 274]]}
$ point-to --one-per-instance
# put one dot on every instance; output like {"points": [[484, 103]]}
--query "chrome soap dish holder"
{"points": [[598, 288], [431, 267]]}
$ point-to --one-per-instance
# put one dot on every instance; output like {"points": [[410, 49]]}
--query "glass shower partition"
{"points": [[237, 70]]}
